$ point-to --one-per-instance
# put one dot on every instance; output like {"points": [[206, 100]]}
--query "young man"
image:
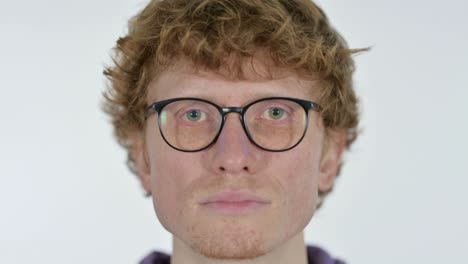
{"points": [[235, 115]]}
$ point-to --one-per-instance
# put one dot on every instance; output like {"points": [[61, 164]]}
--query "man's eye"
{"points": [[275, 113], [194, 115]]}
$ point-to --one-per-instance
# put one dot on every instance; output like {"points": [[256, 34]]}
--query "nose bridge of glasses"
{"points": [[233, 134], [227, 110]]}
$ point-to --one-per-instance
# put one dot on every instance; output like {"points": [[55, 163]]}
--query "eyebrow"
{"points": [[216, 100]]}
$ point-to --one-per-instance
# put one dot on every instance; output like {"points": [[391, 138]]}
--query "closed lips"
{"points": [[234, 197]]}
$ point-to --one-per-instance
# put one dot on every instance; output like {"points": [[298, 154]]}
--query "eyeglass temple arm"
{"points": [[150, 110], [316, 107]]}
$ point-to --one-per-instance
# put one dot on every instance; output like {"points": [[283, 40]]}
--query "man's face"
{"points": [[287, 182]]}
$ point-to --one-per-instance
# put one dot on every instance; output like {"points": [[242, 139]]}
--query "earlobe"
{"points": [[141, 167], [333, 149]]}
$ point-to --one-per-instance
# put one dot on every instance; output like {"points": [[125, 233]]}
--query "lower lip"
{"points": [[234, 208]]}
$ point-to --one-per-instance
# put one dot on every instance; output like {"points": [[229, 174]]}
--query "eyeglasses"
{"points": [[273, 124]]}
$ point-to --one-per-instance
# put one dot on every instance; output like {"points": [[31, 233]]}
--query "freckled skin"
{"points": [[179, 180]]}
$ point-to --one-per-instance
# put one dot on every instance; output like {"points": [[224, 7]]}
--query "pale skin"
{"points": [[289, 181]]}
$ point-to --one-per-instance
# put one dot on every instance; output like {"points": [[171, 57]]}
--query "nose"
{"points": [[233, 153]]}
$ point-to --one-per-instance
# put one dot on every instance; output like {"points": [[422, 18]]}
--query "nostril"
{"points": [[224, 169]]}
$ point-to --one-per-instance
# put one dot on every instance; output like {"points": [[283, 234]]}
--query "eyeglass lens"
{"points": [[274, 124]]}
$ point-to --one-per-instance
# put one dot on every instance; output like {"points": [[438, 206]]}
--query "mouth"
{"points": [[234, 203]]}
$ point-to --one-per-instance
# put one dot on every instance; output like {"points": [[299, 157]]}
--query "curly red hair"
{"points": [[293, 34]]}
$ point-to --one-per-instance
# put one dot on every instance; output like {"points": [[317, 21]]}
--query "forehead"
{"points": [[257, 80]]}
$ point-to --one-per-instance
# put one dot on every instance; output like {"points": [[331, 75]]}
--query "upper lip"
{"points": [[233, 197]]}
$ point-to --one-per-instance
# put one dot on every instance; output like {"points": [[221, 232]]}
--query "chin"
{"points": [[219, 245]]}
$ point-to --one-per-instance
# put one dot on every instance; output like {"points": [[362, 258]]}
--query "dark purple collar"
{"points": [[315, 255]]}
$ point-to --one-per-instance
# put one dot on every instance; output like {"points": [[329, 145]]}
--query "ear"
{"points": [[332, 152], [137, 155]]}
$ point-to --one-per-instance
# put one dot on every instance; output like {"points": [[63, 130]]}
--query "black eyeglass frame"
{"points": [[158, 106]]}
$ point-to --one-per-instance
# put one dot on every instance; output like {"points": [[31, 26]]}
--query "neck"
{"points": [[293, 251]]}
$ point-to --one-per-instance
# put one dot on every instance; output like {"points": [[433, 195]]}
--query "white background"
{"points": [[66, 195]]}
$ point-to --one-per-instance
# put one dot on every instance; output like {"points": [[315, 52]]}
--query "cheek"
{"points": [[303, 187], [163, 189], [169, 180], [301, 183]]}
